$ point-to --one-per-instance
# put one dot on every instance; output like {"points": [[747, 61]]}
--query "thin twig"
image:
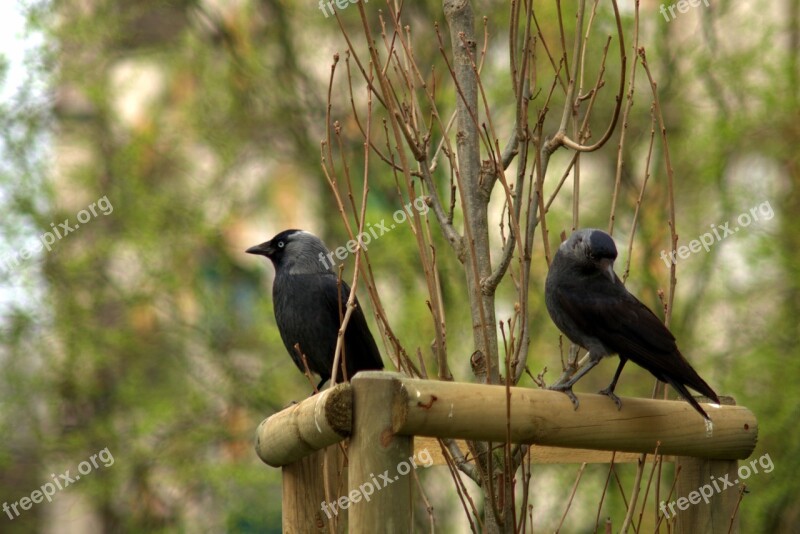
{"points": [[656, 459], [670, 184], [625, 114], [571, 496], [742, 491], [634, 495], [605, 490]]}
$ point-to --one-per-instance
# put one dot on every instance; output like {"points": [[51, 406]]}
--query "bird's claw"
{"points": [[610, 393], [568, 391]]}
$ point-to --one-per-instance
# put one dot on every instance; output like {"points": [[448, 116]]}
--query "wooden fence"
{"points": [[381, 413]]}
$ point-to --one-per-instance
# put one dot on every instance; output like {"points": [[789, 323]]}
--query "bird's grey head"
{"points": [[295, 252], [590, 248]]}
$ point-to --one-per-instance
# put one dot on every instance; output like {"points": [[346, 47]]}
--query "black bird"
{"points": [[589, 304], [310, 301]]}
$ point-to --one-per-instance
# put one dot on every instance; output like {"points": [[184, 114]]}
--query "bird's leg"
{"points": [[572, 365], [306, 370], [319, 386], [610, 389], [566, 387]]}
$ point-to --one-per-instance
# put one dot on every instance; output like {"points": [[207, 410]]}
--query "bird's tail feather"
{"points": [[690, 399], [698, 384]]}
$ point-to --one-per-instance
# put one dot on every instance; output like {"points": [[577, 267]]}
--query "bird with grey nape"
{"points": [[310, 302], [589, 304]]}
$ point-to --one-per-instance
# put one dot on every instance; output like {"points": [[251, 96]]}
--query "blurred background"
{"points": [[170, 135]]}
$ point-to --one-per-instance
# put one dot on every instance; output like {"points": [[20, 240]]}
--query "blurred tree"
{"points": [[147, 331]]}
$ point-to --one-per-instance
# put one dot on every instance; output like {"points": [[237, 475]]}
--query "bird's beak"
{"points": [[607, 266], [264, 249]]}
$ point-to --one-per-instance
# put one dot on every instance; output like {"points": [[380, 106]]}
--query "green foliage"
{"points": [[148, 331]]}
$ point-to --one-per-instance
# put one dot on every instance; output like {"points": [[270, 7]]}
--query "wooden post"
{"points": [[379, 496], [702, 500], [304, 493]]}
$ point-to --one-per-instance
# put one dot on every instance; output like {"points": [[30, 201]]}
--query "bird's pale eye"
{"points": [[280, 244]]}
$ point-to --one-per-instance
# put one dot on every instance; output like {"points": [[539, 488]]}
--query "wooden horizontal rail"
{"points": [[538, 454], [308, 426], [478, 412]]}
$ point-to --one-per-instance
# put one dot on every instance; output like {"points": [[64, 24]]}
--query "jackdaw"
{"points": [[310, 302], [589, 304]]}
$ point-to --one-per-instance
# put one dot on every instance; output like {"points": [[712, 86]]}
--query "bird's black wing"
{"points": [[626, 326], [308, 310], [304, 316], [360, 351]]}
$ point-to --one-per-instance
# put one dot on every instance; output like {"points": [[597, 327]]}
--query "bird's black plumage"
{"points": [[310, 302], [589, 304]]}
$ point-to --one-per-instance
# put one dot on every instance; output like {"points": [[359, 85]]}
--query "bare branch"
{"points": [[416, 226], [641, 197], [670, 181], [560, 138], [625, 114]]}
